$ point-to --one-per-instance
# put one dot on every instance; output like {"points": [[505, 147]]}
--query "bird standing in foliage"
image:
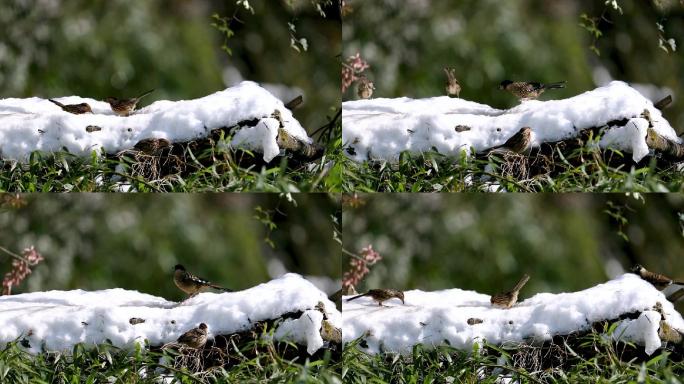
{"points": [[657, 280], [453, 87], [381, 295], [525, 90], [152, 146], [191, 284], [508, 299], [125, 107], [194, 338], [76, 109], [517, 143], [365, 88]]}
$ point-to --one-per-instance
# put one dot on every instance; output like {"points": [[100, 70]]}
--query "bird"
{"points": [[125, 107], [453, 87], [191, 284], [657, 280], [365, 88], [152, 146], [76, 109], [294, 103], [665, 331], [517, 143], [93, 128], [381, 295], [525, 90], [194, 338], [507, 299]]}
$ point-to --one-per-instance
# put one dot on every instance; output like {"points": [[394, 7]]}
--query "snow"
{"points": [[380, 129], [27, 125], [435, 318], [59, 319]]}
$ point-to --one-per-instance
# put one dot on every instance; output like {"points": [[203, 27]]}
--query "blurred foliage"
{"points": [[51, 48], [98, 241], [408, 43], [564, 241]]}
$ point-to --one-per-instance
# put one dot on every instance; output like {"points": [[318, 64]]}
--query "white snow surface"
{"points": [[440, 317], [23, 120], [59, 319], [380, 129]]}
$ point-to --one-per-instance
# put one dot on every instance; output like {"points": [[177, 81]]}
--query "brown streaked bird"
{"points": [[76, 109], [453, 87], [152, 146], [191, 284], [295, 103], [665, 331], [365, 88], [93, 128], [657, 280], [517, 143], [381, 295], [194, 338], [125, 107], [525, 90], [508, 299]]}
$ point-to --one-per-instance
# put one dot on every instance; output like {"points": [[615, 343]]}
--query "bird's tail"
{"points": [[560, 84], [145, 94], [217, 287], [357, 296], [522, 282], [678, 282], [57, 103]]}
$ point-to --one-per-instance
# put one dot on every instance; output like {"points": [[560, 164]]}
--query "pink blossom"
{"points": [[359, 267], [20, 269], [353, 67]]}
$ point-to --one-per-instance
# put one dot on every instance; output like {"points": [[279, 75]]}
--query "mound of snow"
{"points": [[28, 125], [441, 317], [59, 319], [380, 129]]}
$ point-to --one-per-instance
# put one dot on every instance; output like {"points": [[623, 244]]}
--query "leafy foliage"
{"points": [[492, 364], [106, 363]]}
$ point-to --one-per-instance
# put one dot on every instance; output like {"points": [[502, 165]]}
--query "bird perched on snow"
{"points": [[76, 109], [453, 87], [508, 299], [194, 338], [524, 90], [365, 88], [191, 284], [125, 107], [381, 295], [517, 143], [657, 280]]}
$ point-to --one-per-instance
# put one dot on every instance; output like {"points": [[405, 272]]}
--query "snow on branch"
{"points": [[463, 318], [56, 320], [37, 124], [381, 129]]}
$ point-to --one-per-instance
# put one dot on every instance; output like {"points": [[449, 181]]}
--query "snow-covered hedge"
{"points": [[27, 125], [380, 129], [462, 318], [56, 320]]}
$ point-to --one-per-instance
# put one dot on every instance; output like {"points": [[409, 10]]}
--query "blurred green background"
{"points": [[98, 241], [566, 242], [123, 47], [407, 43]]}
